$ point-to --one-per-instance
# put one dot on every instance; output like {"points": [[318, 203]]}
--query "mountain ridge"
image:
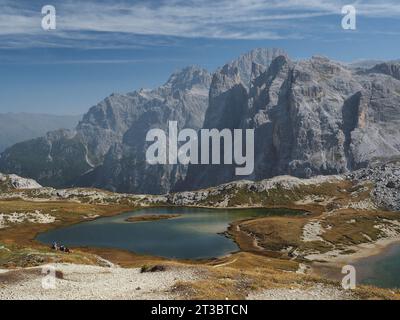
{"points": [[311, 117]]}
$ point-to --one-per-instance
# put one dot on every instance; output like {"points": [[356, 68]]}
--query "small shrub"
{"points": [[155, 268]]}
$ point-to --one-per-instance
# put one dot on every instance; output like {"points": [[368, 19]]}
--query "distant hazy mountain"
{"points": [[17, 127], [368, 64]]}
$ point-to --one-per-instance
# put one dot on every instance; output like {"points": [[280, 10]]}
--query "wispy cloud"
{"points": [[90, 21]]}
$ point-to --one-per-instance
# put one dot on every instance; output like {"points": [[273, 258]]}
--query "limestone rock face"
{"points": [[230, 93], [310, 117], [184, 98]]}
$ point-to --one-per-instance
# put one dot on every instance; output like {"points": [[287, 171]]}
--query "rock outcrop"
{"points": [[12, 181]]}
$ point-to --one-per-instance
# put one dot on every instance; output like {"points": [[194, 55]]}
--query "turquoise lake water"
{"points": [[381, 270]]}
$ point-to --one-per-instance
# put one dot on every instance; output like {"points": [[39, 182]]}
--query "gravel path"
{"points": [[317, 292], [92, 282]]}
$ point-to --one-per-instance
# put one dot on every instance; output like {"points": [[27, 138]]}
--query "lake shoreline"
{"points": [[198, 234]]}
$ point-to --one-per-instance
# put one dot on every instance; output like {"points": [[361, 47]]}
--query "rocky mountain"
{"points": [[18, 127], [184, 98], [310, 117], [107, 148]]}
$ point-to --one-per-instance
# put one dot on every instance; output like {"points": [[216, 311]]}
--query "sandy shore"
{"points": [[93, 282], [361, 251], [329, 265]]}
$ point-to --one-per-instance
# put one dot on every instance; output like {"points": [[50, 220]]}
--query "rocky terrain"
{"points": [[386, 181], [381, 182], [384, 194], [93, 282]]}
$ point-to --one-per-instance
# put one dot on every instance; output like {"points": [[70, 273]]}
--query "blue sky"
{"points": [[100, 47]]}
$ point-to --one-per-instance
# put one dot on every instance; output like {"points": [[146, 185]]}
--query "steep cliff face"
{"points": [[310, 117], [230, 91]]}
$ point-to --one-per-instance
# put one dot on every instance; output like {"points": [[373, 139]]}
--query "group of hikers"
{"points": [[62, 248]]}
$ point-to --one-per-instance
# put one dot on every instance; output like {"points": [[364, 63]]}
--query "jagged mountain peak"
{"points": [[260, 55], [243, 65], [189, 77]]}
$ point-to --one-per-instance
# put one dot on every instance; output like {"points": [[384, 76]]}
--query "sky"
{"points": [[101, 47]]}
